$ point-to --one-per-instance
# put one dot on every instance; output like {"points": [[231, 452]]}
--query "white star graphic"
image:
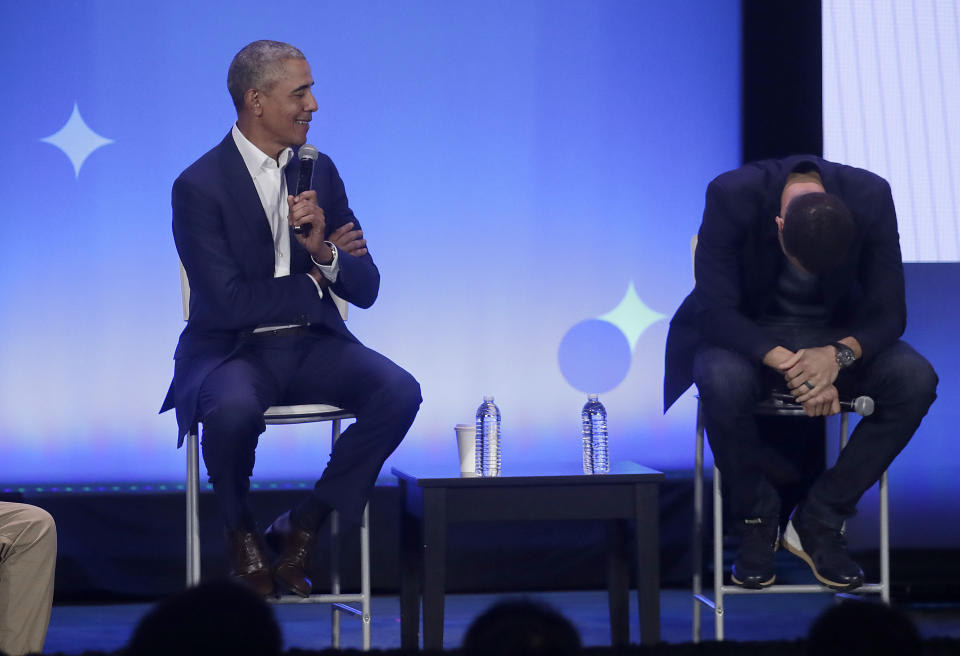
{"points": [[632, 316], [76, 140]]}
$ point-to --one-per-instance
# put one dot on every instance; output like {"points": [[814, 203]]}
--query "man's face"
{"points": [[286, 107]]}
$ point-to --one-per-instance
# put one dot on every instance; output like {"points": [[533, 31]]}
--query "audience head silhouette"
{"points": [[860, 627], [219, 617], [521, 628]]}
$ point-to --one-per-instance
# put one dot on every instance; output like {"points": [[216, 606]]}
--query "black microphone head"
{"points": [[308, 152], [863, 406]]}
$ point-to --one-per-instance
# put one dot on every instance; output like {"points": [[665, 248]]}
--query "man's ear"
{"points": [[251, 100], [779, 221]]}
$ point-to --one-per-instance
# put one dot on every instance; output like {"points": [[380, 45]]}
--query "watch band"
{"points": [[333, 249]]}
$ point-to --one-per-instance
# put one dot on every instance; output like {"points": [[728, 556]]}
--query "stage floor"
{"points": [[78, 628]]}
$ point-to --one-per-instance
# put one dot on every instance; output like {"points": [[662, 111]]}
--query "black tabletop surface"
{"points": [[544, 473]]}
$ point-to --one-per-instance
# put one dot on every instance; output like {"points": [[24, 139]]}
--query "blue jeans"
{"points": [[899, 379]]}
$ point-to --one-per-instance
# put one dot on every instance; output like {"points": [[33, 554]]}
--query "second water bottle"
{"points": [[594, 418], [488, 438]]}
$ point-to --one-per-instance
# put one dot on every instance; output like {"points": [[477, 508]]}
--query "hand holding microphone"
{"points": [[308, 156], [862, 405]]}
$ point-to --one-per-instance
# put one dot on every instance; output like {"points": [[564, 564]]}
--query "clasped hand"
{"points": [[347, 238], [810, 374]]}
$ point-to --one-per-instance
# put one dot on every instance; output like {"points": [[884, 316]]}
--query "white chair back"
{"points": [[693, 258]]}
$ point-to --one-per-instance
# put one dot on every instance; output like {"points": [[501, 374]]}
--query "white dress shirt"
{"points": [[271, 185]]}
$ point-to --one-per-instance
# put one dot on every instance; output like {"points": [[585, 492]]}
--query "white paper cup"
{"points": [[467, 446]]}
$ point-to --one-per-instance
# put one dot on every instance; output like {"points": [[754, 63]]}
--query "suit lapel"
{"points": [[248, 215]]}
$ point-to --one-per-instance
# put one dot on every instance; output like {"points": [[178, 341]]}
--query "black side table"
{"points": [[545, 492]]}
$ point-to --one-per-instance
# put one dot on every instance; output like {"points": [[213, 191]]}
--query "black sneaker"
{"points": [[758, 542], [824, 549]]}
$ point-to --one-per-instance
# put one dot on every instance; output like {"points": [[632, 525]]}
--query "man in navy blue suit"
{"points": [[799, 284], [263, 328]]}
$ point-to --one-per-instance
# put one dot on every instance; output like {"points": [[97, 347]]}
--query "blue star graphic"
{"points": [[76, 140], [632, 316]]}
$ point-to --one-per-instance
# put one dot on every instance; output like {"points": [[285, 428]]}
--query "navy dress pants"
{"points": [[318, 367], [899, 379]]}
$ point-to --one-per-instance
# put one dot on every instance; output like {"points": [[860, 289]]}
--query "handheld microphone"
{"points": [[862, 405], [308, 156]]}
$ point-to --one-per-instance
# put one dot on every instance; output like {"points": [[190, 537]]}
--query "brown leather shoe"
{"points": [[247, 562], [295, 546]]}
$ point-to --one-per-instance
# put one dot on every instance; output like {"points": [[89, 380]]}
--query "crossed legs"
{"points": [[317, 368]]}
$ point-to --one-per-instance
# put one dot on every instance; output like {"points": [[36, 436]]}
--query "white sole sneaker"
{"points": [[791, 542]]}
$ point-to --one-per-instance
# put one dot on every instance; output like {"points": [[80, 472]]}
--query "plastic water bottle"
{"points": [[488, 438], [595, 456]]}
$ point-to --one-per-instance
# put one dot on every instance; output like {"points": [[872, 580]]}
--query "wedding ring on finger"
{"points": [[808, 385]]}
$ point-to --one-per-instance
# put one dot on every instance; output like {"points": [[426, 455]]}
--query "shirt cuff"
{"points": [[331, 270], [315, 284]]}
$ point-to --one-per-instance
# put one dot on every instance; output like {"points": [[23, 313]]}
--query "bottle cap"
{"points": [[488, 398]]}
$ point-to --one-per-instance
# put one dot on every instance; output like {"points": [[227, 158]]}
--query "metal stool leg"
{"points": [[365, 577], [335, 555], [335, 578], [884, 540], [337, 609], [698, 597], [884, 516], [717, 555], [698, 526], [193, 507]]}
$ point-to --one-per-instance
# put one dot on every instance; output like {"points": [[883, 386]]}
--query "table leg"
{"points": [[648, 561], [618, 582], [434, 565], [411, 568]]}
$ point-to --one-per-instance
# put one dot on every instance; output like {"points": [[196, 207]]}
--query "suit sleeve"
{"points": [[881, 315], [222, 296], [719, 280], [358, 280]]}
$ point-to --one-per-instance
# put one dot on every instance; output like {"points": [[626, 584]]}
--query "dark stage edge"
{"points": [[129, 544]]}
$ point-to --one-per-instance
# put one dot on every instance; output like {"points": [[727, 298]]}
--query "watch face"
{"points": [[845, 356]]}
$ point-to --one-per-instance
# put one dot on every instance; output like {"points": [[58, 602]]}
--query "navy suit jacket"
{"points": [[738, 261], [226, 247]]}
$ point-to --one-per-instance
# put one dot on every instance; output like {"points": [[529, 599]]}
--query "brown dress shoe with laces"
{"points": [[247, 562], [295, 546]]}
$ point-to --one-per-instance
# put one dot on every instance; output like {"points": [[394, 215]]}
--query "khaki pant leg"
{"points": [[28, 558]]}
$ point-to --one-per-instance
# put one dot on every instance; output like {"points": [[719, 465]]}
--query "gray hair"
{"points": [[256, 66]]}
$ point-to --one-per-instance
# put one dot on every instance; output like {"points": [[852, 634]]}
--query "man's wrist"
{"points": [[324, 259], [776, 355], [845, 355], [330, 259]]}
